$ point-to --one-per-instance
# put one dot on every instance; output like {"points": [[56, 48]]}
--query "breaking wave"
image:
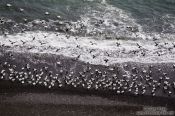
{"points": [[91, 18]]}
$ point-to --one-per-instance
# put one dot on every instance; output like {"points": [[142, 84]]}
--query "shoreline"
{"points": [[70, 73], [87, 49], [27, 73]]}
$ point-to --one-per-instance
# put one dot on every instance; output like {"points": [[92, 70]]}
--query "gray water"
{"points": [[146, 17]]}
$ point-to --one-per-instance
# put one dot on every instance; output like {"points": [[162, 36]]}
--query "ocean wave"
{"points": [[104, 52], [98, 19]]}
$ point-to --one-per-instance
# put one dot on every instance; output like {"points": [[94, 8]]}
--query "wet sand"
{"points": [[75, 68], [62, 110], [20, 101], [26, 99]]}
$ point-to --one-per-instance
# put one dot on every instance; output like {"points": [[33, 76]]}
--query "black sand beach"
{"points": [[27, 99], [87, 57]]}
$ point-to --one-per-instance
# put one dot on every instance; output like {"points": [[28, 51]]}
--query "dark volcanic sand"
{"points": [[14, 98], [68, 65]]}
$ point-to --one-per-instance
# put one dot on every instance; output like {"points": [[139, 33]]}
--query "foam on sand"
{"points": [[89, 50]]}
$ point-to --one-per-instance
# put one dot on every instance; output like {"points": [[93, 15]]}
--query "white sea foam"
{"points": [[115, 24], [118, 23], [57, 43], [106, 20]]}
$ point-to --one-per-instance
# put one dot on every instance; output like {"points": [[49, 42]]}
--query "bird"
{"points": [[47, 13], [134, 51], [106, 60], [156, 44], [108, 54], [33, 38], [29, 48], [2, 21], [68, 36], [11, 42], [77, 46], [173, 66], [8, 5], [57, 50], [143, 53], [118, 44], [173, 45], [23, 42], [158, 53], [93, 56], [92, 43], [91, 50], [165, 43], [42, 43], [21, 9], [170, 48], [59, 17], [139, 46], [111, 68]]}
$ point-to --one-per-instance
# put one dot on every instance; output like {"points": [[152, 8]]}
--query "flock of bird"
{"points": [[138, 82]]}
